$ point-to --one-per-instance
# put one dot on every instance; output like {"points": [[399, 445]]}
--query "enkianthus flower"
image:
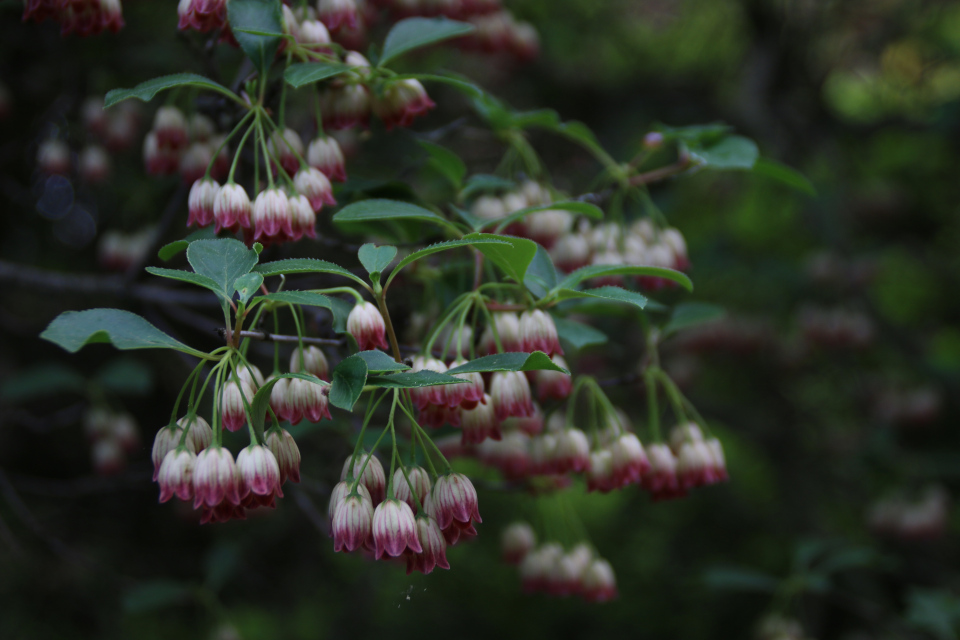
{"points": [[422, 397], [571, 252], [598, 583], [536, 567], [511, 454], [314, 35], [542, 454], [201, 128], [325, 155], [600, 472], [547, 226], [681, 433], [367, 327], [433, 547], [420, 480], [313, 362], [353, 523], [345, 106], [340, 491], [199, 432], [283, 402], [53, 157], [507, 325], [678, 246], [94, 164], [107, 457], [202, 15], [661, 480], [232, 209], [284, 448], [516, 541], [524, 41], [271, 216], [165, 441], [694, 465], [259, 476], [373, 477], [290, 25], [565, 576], [572, 452], [310, 398], [313, 184], [337, 14], [194, 162], [554, 384], [401, 102], [394, 529], [718, 462], [465, 395], [170, 125], [454, 503], [287, 147], [216, 479], [250, 374], [303, 219], [438, 415], [232, 410], [480, 423], [201, 202], [530, 425], [629, 459], [510, 393], [176, 474], [488, 208]]}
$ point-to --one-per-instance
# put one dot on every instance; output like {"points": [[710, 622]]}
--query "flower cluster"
{"points": [[293, 399], [551, 569], [192, 148], [82, 17], [113, 436], [416, 519], [924, 518], [189, 464]]}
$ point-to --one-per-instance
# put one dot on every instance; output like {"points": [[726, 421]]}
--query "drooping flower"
{"points": [[480, 423], [216, 478], [271, 215], [232, 410], [232, 209], [176, 474], [312, 360], [434, 547], [373, 477], [539, 333], [353, 523], [367, 327], [287, 453], [325, 155], [259, 476], [313, 184], [401, 102], [394, 529], [420, 481], [201, 202], [554, 384], [510, 394], [516, 541]]}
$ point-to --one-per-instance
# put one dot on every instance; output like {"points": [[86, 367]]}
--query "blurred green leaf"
{"points": [[158, 594], [483, 183], [598, 271], [935, 611], [260, 16], [739, 579], [733, 152], [125, 376], [541, 275], [375, 209], [691, 314], [220, 564], [446, 162], [41, 381], [782, 173], [414, 33], [577, 335], [146, 90], [298, 75]]}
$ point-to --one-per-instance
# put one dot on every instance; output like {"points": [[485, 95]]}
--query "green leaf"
{"points": [[436, 248], [349, 377], [72, 330], [414, 33], [247, 285], [298, 75], [783, 173], [167, 251], [261, 16], [739, 579], [483, 183], [220, 564], [541, 275], [424, 378], [375, 259], [313, 299], [379, 362], [690, 314], [513, 361], [223, 261], [475, 223], [261, 400], [580, 208], [935, 611], [125, 375], [158, 594], [446, 162], [695, 135], [304, 265], [146, 90], [616, 294], [186, 276], [514, 259], [733, 152], [377, 209], [41, 381], [596, 271], [577, 335]]}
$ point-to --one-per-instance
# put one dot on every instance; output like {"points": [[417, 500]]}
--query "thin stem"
{"points": [[236, 157], [223, 144]]}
